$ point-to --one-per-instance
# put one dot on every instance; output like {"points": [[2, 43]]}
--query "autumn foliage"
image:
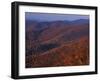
{"points": [[57, 45]]}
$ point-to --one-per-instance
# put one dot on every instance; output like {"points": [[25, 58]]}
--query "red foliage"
{"points": [[71, 54]]}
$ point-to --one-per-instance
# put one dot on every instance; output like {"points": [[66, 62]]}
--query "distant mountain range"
{"points": [[46, 23], [45, 39]]}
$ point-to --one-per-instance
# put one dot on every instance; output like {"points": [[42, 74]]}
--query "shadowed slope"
{"points": [[59, 43]]}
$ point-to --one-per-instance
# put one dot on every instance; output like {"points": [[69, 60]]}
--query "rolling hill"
{"points": [[57, 43]]}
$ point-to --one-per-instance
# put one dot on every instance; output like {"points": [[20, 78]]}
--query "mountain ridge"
{"points": [[46, 42]]}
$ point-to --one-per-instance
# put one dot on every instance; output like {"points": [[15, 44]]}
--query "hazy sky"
{"points": [[53, 17]]}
